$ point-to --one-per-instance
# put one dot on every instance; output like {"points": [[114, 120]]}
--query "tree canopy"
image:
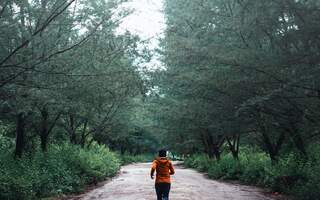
{"points": [[240, 69]]}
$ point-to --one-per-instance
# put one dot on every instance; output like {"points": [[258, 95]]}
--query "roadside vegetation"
{"points": [[142, 158], [240, 90], [71, 95], [63, 169], [292, 174], [238, 93]]}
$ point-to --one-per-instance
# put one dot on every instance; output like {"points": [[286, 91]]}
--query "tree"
{"points": [[241, 67]]}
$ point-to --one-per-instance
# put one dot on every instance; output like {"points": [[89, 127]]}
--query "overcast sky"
{"points": [[147, 21]]}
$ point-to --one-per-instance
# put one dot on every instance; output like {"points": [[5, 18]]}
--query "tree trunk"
{"points": [[212, 144], [84, 134], [216, 152], [122, 150], [173, 155], [206, 145], [234, 143], [44, 133], [272, 149], [297, 139], [269, 146], [73, 137], [20, 135]]}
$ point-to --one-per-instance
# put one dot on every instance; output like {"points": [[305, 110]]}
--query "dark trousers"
{"points": [[162, 190]]}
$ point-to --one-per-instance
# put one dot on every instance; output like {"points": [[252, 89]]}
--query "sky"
{"points": [[147, 21]]}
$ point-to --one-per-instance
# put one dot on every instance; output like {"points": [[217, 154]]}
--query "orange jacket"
{"points": [[163, 168]]}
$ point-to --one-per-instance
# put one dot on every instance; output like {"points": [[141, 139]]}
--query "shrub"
{"points": [[201, 162], [128, 158], [293, 174], [98, 162], [227, 168], [255, 167], [63, 169], [308, 188], [16, 178]]}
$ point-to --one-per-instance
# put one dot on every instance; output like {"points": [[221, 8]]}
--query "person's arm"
{"points": [[171, 169], [153, 169]]}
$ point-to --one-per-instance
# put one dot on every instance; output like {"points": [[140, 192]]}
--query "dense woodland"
{"points": [[69, 85], [241, 69], [244, 74], [238, 94], [65, 72]]}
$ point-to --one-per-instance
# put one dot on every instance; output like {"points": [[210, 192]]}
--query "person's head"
{"points": [[162, 153]]}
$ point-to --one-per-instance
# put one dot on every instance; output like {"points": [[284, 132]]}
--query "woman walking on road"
{"points": [[163, 168]]}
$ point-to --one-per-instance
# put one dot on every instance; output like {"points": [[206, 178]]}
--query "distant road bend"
{"points": [[134, 183]]}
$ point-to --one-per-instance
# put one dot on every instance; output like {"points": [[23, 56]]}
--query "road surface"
{"points": [[134, 183]]}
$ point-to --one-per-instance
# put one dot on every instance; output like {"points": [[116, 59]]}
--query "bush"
{"points": [[128, 158], [308, 188], [98, 162], [201, 162], [293, 174], [228, 169], [255, 167], [63, 169]]}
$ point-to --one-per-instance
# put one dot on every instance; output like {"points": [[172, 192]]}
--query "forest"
{"points": [[237, 97]]}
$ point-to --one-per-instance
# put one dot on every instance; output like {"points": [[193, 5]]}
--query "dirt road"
{"points": [[134, 184]]}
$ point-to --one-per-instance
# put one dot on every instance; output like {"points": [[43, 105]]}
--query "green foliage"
{"points": [[200, 162], [82, 75], [309, 187], [292, 174], [254, 166], [128, 158], [237, 67], [227, 169], [63, 169], [98, 162]]}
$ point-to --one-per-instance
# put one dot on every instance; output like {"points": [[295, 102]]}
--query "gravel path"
{"points": [[134, 183]]}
